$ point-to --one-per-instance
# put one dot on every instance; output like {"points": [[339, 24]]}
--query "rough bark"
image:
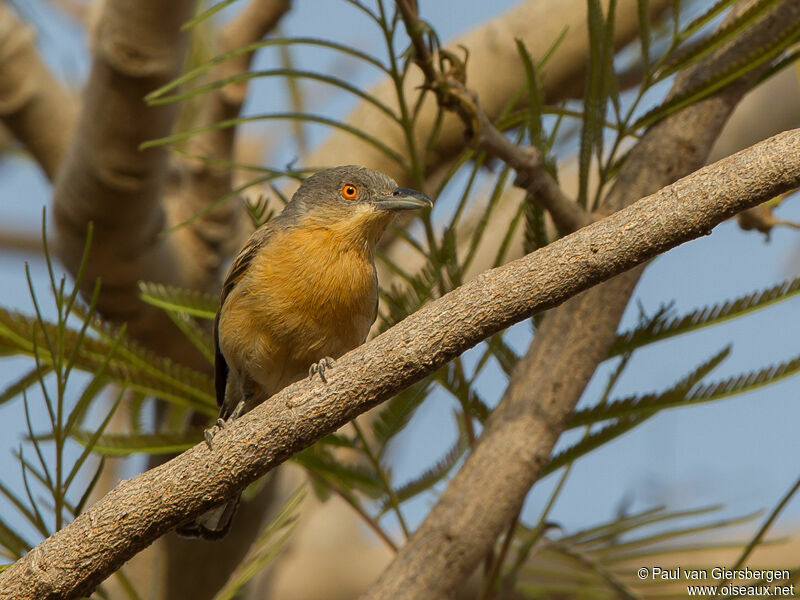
{"points": [[34, 105], [459, 532], [135, 513]]}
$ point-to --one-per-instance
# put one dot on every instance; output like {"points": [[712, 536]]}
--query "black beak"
{"points": [[403, 199]]}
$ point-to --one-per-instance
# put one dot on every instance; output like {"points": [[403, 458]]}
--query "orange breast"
{"points": [[311, 293]]}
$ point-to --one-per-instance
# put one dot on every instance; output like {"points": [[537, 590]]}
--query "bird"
{"points": [[302, 291]]}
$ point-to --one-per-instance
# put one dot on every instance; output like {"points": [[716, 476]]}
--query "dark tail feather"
{"points": [[213, 524]]}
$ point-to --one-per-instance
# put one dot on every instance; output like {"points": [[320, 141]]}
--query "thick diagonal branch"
{"points": [[104, 176], [575, 338], [72, 562], [34, 105]]}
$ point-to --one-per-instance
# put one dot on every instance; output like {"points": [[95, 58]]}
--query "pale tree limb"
{"points": [[548, 381], [106, 179], [35, 107], [73, 561], [76, 9], [494, 71], [20, 241], [210, 238]]}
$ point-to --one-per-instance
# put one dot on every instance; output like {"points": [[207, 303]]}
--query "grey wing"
{"points": [[220, 367]]}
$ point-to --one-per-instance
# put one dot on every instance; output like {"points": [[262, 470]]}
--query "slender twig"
{"points": [[379, 470], [356, 506], [453, 95]]}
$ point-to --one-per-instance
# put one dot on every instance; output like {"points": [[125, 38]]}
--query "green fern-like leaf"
{"points": [[717, 39], [23, 383], [155, 96], [206, 14], [595, 563], [704, 19], [721, 78], [535, 232], [731, 386], [190, 302], [666, 327], [404, 300], [286, 116], [284, 73], [634, 406], [395, 414], [12, 542], [357, 476], [627, 523], [535, 96], [643, 13], [199, 336], [623, 424], [125, 444], [265, 548], [594, 100], [430, 476], [745, 382], [647, 545], [145, 371]]}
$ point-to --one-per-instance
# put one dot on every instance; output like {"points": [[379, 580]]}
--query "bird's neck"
{"points": [[357, 232]]}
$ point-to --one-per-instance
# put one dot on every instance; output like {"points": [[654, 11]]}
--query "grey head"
{"points": [[348, 187]]}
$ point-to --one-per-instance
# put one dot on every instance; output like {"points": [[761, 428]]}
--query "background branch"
{"points": [[547, 383], [34, 105], [210, 238], [74, 560], [106, 179]]}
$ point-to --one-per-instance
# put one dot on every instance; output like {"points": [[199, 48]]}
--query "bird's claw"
{"points": [[209, 433], [320, 367]]}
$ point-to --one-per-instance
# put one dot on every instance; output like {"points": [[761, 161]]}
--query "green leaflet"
{"points": [[430, 477], [288, 73], [286, 116], [651, 405], [124, 444], [203, 68], [594, 100], [665, 327], [721, 78], [395, 414], [717, 39], [209, 12], [266, 547], [145, 371]]}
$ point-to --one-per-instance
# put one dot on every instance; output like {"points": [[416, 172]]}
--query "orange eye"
{"points": [[349, 191]]}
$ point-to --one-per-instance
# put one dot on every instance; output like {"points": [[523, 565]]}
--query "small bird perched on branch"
{"points": [[302, 291]]}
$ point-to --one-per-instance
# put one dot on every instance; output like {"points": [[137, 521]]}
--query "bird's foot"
{"points": [[320, 367], [209, 433]]}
